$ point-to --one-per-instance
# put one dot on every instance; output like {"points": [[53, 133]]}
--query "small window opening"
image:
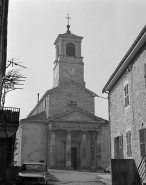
{"points": [[70, 49], [126, 94]]}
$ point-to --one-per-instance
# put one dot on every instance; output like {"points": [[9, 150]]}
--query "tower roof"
{"points": [[67, 35]]}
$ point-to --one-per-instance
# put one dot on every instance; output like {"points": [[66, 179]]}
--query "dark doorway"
{"points": [[74, 158]]}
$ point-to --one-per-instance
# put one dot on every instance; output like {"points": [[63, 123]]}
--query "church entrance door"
{"points": [[74, 158]]}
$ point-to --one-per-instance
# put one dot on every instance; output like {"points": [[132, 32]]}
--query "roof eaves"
{"points": [[46, 93], [65, 35], [53, 89], [87, 90], [52, 118], [124, 60]]}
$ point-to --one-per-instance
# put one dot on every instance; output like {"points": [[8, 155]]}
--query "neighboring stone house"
{"points": [[127, 103], [62, 129]]}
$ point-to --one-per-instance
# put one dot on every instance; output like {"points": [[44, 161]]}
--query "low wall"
{"points": [[123, 171]]}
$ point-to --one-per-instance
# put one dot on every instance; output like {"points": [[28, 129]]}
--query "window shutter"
{"points": [[128, 99], [127, 135], [125, 95], [126, 89], [145, 70], [145, 73], [142, 141], [121, 146], [129, 151], [125, 101], [116, 148]]}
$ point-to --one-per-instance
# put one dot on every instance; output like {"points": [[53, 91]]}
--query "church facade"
{"points": [[62, 129]]}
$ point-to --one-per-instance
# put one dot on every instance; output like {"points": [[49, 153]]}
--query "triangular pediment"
{"points": [[76, 114], [62, 87]]}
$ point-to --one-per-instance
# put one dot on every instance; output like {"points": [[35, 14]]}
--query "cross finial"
{"points": [[68, 18], [68, 26]]}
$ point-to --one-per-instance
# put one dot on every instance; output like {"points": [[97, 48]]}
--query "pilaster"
{"points": [[84, 152], [68, 151], [98, 150], [93, 150], [52, 150]]}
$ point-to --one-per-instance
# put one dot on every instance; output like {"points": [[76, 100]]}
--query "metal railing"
{"points": [[9, 115], [141, 171]]}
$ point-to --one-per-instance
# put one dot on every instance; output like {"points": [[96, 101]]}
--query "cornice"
{"points": [[66, 35]]}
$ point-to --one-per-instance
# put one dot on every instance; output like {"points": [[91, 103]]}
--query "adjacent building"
{"points": [[9, 117], [127, 103], [62, 129]]}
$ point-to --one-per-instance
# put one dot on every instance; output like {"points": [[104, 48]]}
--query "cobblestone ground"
{"points": [[75, 178]]}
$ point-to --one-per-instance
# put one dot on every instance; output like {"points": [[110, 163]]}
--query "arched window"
{"points": [[70, 49], [57, 51]]}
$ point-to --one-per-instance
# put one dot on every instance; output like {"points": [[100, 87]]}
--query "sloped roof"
{"points": [[126, 61], [38, 117], [61, 86], [68, 83], [76, 109]]}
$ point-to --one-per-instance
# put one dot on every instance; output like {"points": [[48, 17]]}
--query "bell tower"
{"points": [[68, 65]]}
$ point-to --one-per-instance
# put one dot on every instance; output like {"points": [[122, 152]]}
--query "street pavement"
{"points": [[63, 177], [106, 177]]}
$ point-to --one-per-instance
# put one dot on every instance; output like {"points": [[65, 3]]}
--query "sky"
{"points": [[109, 28]]}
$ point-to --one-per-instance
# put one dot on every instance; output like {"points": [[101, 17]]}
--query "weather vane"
{"points": [[68, 18]]}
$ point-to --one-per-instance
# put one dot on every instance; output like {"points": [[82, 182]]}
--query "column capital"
{"points": [[84, 130], [68, 130]]}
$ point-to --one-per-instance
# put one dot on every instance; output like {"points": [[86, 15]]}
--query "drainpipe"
{"points": [[46, 147], [109, 130], [38, 104]]}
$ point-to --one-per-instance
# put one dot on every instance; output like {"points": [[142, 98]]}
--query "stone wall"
{"points": [[105, 146], [33, 142], [59, 99], [130, 118]]}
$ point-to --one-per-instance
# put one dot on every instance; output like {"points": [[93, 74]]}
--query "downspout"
{"points": [[109, 130], [46, 147], [38, 104]]}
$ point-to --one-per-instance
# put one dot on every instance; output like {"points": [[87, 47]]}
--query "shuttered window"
{"points": [[70, 49], [119, 147], [142, 141], [145, 73], [126, 95], [116, 147], [129, 151]]}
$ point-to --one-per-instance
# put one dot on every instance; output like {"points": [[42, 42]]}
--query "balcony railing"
{"points": [[9, 115]]}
